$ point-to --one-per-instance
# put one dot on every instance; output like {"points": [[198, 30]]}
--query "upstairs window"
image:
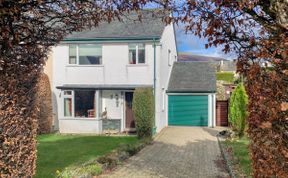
{"points": [[85, 54], [169, 58], [72, 54], [136, 54]]}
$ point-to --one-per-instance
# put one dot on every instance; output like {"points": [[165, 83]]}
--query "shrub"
{"points": [[44, 102], [132, 149], [111, 160], [143, 109], [225, 76], [238, 109], [90, 169]]}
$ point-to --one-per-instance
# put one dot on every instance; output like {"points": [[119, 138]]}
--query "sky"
{"points": [[189, 43]]}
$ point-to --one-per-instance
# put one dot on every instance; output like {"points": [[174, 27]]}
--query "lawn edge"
{"points": [[225, 157], [113, 155]]}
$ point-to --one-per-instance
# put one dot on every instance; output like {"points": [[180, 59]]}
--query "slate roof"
{"points": [[193, 57], [151, 25], [197, 77]]}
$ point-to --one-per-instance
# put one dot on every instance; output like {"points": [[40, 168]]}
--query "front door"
{"points": [[130, 121]]}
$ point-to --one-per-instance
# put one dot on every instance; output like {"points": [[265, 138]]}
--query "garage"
{"points": [[191, 94], [188, 110]]}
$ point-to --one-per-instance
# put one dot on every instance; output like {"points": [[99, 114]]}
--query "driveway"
{"points": [[177, 152]]}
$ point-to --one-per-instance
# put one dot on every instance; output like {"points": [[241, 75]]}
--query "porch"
{"points": [[95, 111]]}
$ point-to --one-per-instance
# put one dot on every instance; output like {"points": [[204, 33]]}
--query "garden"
{"points": [[239, 157], [235, 141], [30, 28], [57, 152], [66, 156]]}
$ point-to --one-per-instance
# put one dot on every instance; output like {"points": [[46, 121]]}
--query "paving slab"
{"points": [[177, 152]]}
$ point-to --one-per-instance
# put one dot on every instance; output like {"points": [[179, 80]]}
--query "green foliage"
{"points": [[225, 76], [56, 152], [132, 149], [238, 109], [85, 170], [123, 152], [240, 152], [143, 109]]}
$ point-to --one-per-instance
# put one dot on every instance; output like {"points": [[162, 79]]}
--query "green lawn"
{"points": [[241, 154], [225, 76], [55, 152]]}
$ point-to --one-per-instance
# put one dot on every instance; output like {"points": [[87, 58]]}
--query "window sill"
{"points": [[80, 118], [137, 65], [100, 65]]}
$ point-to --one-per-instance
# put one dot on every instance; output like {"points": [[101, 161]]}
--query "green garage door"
{"points": [[188, 110]]}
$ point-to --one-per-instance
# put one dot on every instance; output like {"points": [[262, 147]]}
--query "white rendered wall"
{"points": [[80, 125], [163, 74], [115, 68], [109, 102]]}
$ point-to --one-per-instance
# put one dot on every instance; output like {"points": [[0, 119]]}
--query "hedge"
{"points": [[143, 109], [44, 102]]}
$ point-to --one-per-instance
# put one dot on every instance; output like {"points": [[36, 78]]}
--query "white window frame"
{"points": [[72, 99], [77, 56], [137, 54], [97, 101]]}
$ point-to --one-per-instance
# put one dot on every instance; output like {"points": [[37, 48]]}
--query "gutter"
{"points": [[132, 39], [189, 92], [175, 39], [154, 81], [154, 75]]}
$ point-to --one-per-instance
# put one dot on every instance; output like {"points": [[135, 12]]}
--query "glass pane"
{"points": [[132, 53], [90, 54], [67, 107], [132, 56], [67, 92], [72, 54], [141, 56], [85, 103]]}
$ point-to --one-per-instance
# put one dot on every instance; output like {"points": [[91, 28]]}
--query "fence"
{"points": [[222, 113]]}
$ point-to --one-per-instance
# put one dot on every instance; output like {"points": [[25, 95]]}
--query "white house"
{"points": [[95, 72]]}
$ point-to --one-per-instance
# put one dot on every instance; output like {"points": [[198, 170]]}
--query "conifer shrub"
{"points": [[143, 109], [238, 109]]}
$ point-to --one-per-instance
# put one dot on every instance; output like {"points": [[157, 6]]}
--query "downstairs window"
{"points": [[79, 103]]}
